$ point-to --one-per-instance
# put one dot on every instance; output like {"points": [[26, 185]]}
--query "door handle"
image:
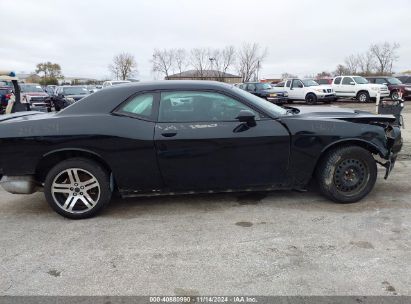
{"points": [[169, 134]]}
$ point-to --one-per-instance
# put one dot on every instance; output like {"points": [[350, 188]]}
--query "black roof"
{"points": [[204, 73], [105, 100]]}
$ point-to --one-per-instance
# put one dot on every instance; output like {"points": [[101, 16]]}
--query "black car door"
{"points": [[201, 145]]}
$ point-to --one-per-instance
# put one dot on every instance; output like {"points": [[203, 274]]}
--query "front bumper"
{"points": [[277, 99], [394, 144], [327, 97], [373, 94]]}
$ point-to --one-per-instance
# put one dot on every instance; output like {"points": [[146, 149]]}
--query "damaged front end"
{"points": [[394, 145]]}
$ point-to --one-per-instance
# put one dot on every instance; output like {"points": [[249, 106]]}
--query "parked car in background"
{"points": [[266, 91], [133, 140], [395, 86], [34, 95], [92, 88], [5, 95], [67, 95], [114, 82], [405, 79], [307, 90], [359, 88], [50, 89], [324, 81]]}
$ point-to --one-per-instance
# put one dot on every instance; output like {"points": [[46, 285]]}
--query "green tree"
{"points": [[49, 70]]}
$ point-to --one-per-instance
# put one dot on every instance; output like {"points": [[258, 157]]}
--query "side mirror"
{"points": [[300, 85], [246, 116], [352, 83]]}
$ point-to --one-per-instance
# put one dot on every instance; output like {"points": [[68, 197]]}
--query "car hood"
{"points": [[341, 114], [14, 116], [35, 94], [76, 97]]}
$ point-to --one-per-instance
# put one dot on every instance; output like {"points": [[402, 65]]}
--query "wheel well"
{"points": [[363, 91], [50, 160], [369, 147]]}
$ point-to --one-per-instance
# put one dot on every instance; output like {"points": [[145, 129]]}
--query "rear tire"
{"points": [[347, 174], [77, 188]]}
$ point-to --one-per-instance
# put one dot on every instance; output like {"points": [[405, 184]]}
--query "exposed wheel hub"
{"points": [[350, 175]]}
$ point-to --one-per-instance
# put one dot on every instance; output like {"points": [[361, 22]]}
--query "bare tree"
{"points": [[180, 59], [223, 60], [366, 63], [351, 64], [163, 61], [341, 70], [250, 57], [385, 54], [200, 60], [323, 74], [124, 66], [288, 75]]}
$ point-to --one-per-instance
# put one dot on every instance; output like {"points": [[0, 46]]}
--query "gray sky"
{"points": [[302, 37]]}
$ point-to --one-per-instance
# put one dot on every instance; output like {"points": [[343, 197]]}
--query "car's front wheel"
{"points": [[311, 98], [363, 97], [347, 174], [395, 95], [77, 188]]}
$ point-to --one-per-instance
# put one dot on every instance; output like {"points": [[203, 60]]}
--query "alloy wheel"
{"points": [[75, 190], [362, 98]]}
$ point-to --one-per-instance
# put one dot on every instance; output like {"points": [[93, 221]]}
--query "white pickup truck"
{"points": [[359, 88], [307, 90]]}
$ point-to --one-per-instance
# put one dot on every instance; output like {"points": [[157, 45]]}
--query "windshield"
{"points": [[264, 104], [31, 88], [360, 80], [393, 80], [264, 86], [75, 91], [310, 83]]}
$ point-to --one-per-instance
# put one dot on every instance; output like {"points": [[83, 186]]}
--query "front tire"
{"points": [[363, 97], [311, 98], [347, 174], [395, 95], [77, 188]]}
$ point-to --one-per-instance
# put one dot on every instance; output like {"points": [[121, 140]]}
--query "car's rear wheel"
{"points": [[77, 188], [311, 99], [363, 97], [347, 174]]}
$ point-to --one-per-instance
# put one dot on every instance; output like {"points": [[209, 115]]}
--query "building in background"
{"points": [[205, 75]]}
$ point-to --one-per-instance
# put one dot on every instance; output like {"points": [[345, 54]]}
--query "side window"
{"points": [[140, 105], [194, 106], [380, 81], [297, 83], [288, 84], [371, 80], [251, 87], [280, 84], [347, 80], [337, 80]]}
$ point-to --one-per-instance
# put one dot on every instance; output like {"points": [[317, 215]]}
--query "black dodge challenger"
{"points": [[176, 137]]}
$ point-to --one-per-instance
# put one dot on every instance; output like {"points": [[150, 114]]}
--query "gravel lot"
{"points": [[279, 243]]}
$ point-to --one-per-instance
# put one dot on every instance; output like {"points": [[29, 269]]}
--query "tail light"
{"points": [[8, 96]]}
